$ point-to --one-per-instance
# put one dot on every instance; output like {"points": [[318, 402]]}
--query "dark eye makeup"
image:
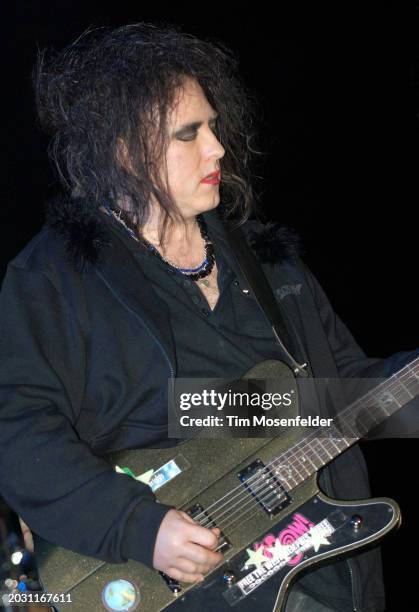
{"points": [[189, 134]]}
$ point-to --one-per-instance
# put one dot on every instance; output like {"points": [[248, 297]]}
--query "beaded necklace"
{"points": [[205, 267]]}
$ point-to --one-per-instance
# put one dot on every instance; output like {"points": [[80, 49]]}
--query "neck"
{"points": [[179, 234]]}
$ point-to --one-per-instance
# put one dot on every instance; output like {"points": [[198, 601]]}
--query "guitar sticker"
{"points": [[154, 478], [120, 596], [286, 548]]}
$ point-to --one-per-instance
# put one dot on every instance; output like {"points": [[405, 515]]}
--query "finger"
{"points": [[204, 557], [215, 530], [187, 566], [177, 574], [187, 517], [217, 534], [203, 536]]}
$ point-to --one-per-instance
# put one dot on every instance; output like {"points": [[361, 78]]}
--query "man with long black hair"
{"points": [[132, 282]]}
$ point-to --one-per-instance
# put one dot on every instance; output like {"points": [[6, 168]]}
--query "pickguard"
{"points": [[316, 530]]}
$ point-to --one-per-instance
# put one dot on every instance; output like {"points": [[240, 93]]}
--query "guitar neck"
{"points": [[318, 448]]}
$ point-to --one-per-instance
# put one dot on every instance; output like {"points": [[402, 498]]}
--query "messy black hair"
{"points": [[97, 99]]}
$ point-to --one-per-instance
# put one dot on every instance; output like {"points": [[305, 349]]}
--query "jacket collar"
{"points": [[91, 242], [87, 237]]}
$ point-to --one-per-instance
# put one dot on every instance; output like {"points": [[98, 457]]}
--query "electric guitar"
{"points": [[263, 495]]}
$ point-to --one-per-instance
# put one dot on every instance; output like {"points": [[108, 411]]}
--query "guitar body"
{"points": [[270, 534], [254, 589]]}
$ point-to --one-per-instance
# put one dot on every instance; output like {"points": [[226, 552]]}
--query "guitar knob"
{"points": [[356, 522], [229, 577]]}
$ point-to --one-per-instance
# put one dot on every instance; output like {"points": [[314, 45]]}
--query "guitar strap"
{"points": [[254, 275]]}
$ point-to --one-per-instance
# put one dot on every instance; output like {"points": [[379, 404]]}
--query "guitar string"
{"points": [[261, 475], [265, 498], [239, 519], [255, 502], [243, 510], [240, 523], [313, 434], [331, 443]]}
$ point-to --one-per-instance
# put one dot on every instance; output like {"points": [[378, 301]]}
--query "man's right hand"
{"points": [[184, 550]]}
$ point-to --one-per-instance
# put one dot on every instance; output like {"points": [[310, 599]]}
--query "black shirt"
{"points": [[220, 343]]}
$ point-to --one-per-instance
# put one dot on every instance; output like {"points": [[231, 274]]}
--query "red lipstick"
{"points": [[212, 179]]}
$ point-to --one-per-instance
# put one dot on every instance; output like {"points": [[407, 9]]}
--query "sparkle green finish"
{"points": [[214, 465], [211, 473]]}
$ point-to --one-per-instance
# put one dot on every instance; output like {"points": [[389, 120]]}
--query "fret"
{"points": [[285, 483], [351, 424], [360, 427], [307, 456], [315, 457], [402, 394], [338, 440], [284, 471], [376, 412], [303, 463], [297, 468], [302, 455], [387, 402], [369, 416], [413, 366], [344, 424], [413, 385], [332, 441], [341, 444], [300, 478], [323, 443], [287, 468], [412, 381], [318, 448]]}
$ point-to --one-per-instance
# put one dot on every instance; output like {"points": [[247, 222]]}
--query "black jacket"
{"points": [[74, 385]]}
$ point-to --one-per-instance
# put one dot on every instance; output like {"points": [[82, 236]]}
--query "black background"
{"points": [[340, 96]]}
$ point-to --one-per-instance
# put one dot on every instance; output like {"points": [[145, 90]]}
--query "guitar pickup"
{"points": [[197, 510], [264, 486]]}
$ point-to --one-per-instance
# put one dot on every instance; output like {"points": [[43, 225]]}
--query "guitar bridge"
{"points": [[264, 486], [223, 543]]}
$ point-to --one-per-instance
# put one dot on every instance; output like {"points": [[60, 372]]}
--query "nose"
{"points": [[212, 146]]}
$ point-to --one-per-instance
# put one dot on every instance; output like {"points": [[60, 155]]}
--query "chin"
{"points": [[212, 205], [203, 207]]}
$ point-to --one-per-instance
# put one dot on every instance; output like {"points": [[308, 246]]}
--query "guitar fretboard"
{"points": [[325, 443]]}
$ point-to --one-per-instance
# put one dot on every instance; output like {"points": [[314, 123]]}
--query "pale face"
{"points": [[193, 152]]}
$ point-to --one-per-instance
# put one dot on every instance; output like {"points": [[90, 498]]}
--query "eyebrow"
{"points": [[194, 125]]}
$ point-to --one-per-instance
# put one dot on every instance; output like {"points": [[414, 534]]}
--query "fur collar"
{"points": [[273, 243], [86, 236]]}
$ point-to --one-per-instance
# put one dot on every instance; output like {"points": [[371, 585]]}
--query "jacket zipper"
{"points": [[352, 577], [163, 350]]}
